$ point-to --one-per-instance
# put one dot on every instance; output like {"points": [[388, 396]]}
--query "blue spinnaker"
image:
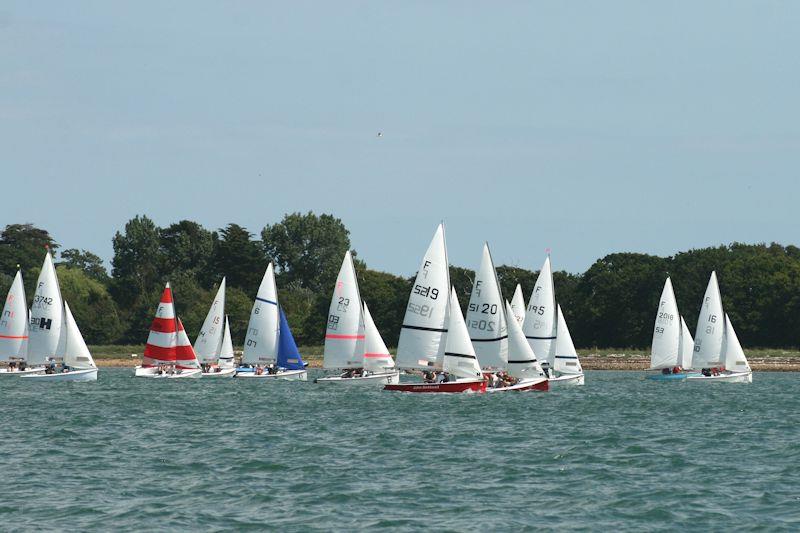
{"points": [[288, 354]]}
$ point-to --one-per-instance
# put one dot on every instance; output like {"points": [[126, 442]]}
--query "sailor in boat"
{"points": [[428, 377], [12, 366], [51, 367]]}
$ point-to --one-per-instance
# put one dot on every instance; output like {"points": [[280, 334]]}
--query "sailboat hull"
{"points": [[223, 373], [450, 387], [151, 372], [537, 384], [725, 377], [88, 374], [567, 379], [383, 378], [286, 375], [19, 373], [671, 377]]}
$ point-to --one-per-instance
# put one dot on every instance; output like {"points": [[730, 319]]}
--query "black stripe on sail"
{"points": [[490, 340], [520, 361], [566, 357], [464, 355], [424, 329], [539, 338]]}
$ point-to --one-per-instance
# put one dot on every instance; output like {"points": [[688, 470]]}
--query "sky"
{"points": [[584, 127]]}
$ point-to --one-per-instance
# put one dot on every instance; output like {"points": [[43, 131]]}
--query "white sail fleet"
{"points": [[497, 346]]}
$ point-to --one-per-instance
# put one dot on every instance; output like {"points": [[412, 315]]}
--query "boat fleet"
{"points": [[497, 346]]}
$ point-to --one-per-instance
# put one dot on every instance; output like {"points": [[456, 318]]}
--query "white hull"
{"points": [[88, 374], [725, 377], [287, 375], [382, 378], [533, 384], [17, 373], [567, 379], [224, 373], [153, 373]]}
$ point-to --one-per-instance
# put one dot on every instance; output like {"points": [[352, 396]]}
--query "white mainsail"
{"points": [[687, 347], [209, 340], [459, 354], [421, 343], [486, 316], [261, 340], [226, 350], [710, 328], [76, 353], [376, 355], [540, 316], [344, 334], [518, 305], [735, 360], [566, 358], [14, 323], [47, 315], [665, 350], [522, 361]]}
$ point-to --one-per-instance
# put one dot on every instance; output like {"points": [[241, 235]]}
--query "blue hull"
{"points": [[671, 377]]}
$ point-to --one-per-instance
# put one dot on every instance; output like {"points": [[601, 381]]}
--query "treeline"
{"points": [[612, 304]]}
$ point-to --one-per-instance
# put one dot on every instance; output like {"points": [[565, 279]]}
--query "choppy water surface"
{"points": [[620, 453]]}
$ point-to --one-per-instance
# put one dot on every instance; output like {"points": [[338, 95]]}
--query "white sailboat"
{"points": [[14, 332], [168, 352], [567, 368], [46, 342], [717, 350], [668, 350], [345, 346], [424, 340], [78, 362], [486, 317], [260, 359], [518, 305], [522, 364], [209, 344], [540, 317]]}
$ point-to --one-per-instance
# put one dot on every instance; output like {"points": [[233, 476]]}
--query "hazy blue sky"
{"points": [[586, 127]]}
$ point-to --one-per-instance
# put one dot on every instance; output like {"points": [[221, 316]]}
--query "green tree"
{"points": [[86, 261], [307, 249], [239, 258], [136, 260], [187, 247], [23, 245], [94, 310]]}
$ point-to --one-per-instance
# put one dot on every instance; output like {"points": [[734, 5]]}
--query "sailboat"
{"points": [[671, 351], [345, 346], [717, 350], [522, 364], [518, 305], [544, 324], [567, 368], [168, 352], [267, 354], [14, 332], [78, 362], [215, 356], [486, 317], [424, 343]]}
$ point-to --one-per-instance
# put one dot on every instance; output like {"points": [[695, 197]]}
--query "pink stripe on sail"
{"points": [[343, 337], [13, 336], [384, 355]]}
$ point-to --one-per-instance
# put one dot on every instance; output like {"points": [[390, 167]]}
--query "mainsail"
{"points": [[47, 316], [710, 328], [518, 305], [261, 340], [14, 323], [459, 355], [376, 354], [162, 340], [209, 340], [522, 361], [344, 334], [665, 350], [486, 316], [540, 317]]}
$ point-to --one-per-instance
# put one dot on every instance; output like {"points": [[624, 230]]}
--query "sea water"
{"points": [[620, 453]]}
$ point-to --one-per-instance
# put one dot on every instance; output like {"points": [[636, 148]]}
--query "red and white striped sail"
{"points": [[185, 358], [162, 342]]}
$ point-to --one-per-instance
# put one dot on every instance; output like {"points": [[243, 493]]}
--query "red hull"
{"points": [[455, 386]]}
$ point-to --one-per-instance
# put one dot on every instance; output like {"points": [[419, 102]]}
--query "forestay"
{"points": [[261, 340], [421, 343], [47, 315], [687, 347], [540, 317], [344, 335], [710, 328], [76, 353], [735, 360], [14, 323], [209, 340], [518, 305], [459, 355], [667, 331], [522, 361], [566, 358], [376, 354], [486, 316]]}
